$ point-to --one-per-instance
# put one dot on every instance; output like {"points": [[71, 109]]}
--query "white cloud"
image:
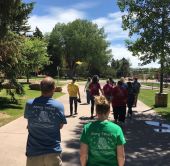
{"points": [[55, 15], [112, 25], [85, 5], [113, 28], [120, 51]]}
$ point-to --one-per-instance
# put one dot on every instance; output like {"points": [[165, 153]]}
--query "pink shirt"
{"points": [[94, 89]]}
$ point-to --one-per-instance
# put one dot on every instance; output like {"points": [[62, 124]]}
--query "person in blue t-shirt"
{"points": [[45, 119]]}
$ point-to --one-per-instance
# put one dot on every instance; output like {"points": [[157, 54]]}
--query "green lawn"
{"points": [[10, 111], [148, 97], [153, 84]]}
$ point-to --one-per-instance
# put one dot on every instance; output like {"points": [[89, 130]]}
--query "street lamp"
{"points": [[78, 63], [58, 68]]}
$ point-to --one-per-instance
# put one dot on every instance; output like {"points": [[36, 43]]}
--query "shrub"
{"points": [[36, 86]]}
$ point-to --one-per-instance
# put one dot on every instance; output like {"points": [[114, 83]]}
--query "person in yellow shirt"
{"points": [[74, 95]]}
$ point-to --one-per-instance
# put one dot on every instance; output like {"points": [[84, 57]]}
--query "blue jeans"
{"points": [[88, 96]]}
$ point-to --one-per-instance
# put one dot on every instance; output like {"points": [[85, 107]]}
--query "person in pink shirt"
{"points": [[107, 90], [94, 91], [119, 101]]}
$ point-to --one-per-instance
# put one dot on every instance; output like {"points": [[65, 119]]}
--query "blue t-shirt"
{"points": [[44, 116]]}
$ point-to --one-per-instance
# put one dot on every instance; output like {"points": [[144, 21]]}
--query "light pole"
{"points": [[78, 63], [58, 68]]}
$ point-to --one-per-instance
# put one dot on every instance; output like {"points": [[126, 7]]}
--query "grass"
{"points": [[59, 82], [148, 97], [10, 111], [153, 84]]}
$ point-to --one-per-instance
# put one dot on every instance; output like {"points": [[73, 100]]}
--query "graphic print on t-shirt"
{"points": [[101, 141], [43, 116]]}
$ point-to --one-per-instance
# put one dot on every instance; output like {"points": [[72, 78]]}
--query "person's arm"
{"points": [[79, 93], [101, 90], [85, 86], [61, 125], [83, 154], [120, 155]]}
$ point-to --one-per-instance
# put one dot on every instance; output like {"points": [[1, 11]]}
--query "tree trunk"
{"points": [[28, 81], [162, 58], [161, 77]]}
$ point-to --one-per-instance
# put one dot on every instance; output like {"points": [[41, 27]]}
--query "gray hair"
{"points": [[47, 85]]}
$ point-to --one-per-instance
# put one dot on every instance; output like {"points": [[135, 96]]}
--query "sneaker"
{"points": [[92, 117]]}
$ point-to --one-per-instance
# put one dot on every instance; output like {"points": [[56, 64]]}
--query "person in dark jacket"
{"points": [[119, 102], [131, 97]]}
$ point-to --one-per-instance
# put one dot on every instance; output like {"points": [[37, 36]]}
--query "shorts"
{"points": [[52, 159]]}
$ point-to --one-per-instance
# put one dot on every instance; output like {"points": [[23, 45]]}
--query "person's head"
{"points": [[107, 81], [129, 84], [102, 106], [95, 79], [89, 79], [47, 86], [135, 79], [119, 83], [122, 79], [111, 81], [73, 79]]}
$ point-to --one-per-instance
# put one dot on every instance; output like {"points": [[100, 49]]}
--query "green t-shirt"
{"points": [[102, 138]]}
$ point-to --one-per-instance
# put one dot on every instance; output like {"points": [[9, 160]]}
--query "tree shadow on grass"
{"points": [[6, 103]]}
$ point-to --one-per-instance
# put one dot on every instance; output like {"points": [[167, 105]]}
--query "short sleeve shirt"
{"points": [[120, 96], [102, 138], [45, 115], [107, 89], [73, 89], [94, 89]]}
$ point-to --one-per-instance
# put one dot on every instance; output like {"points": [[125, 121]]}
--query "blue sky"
{"points": [[105, 13]]}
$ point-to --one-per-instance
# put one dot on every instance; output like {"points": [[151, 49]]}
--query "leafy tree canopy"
{"points": [[80, 40], [34, 57], [148, 23]]}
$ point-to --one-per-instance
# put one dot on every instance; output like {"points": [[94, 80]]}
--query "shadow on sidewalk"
{"points": [[73, 158], [144, 146]]}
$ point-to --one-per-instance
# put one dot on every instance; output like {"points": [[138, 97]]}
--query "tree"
{"points": [[38, 33], [148, 23], [80, 40], [13, 23], [14, 16], [34, 56], [124, 67], [10, 55]]}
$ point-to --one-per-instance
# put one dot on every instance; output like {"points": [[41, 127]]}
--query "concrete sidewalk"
{"points": [[144, 146]]}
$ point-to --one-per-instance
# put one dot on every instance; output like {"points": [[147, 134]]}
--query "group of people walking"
{"points": [[120, 95], [102, 141]]}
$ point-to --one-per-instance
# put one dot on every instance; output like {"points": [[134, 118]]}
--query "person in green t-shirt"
{"points": [[102, 142]]}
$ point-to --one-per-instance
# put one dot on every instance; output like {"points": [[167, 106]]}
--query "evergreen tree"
{"points": [[14, 16], [13, 22], [38, 33]]}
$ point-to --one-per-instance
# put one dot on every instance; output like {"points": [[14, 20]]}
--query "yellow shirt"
{"points": [[72, 89]]}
